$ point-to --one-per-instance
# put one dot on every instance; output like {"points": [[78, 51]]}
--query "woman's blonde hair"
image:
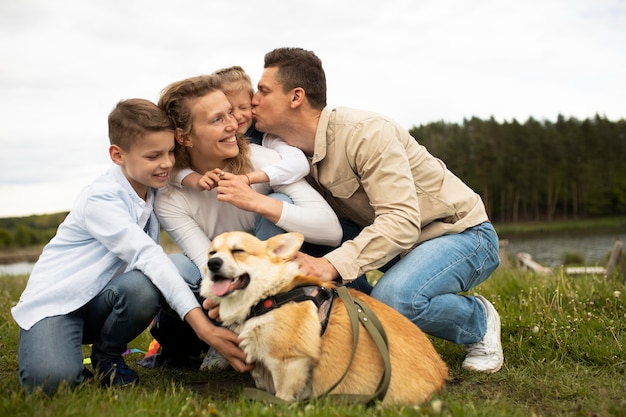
{"points": [[177, 100]]}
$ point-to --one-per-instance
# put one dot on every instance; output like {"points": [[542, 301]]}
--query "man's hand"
{"points": [[317, 267]]}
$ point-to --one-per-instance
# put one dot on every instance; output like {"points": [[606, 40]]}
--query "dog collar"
{"points": [[321, 296]]}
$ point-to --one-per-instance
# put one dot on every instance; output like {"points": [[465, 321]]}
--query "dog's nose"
{"points": [[215, 264]]}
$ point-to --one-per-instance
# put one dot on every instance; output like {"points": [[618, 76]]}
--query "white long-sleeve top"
{"points": [[102, 237], [291, 167], [194, 218]]}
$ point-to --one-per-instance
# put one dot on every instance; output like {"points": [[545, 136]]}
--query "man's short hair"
{"points": [[298, 67]]}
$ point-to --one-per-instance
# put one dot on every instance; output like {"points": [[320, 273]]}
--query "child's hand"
{"points": [[210, 179]]}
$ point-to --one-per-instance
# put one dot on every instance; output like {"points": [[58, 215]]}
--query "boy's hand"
{"points": [[224, 340], [213, 309]]}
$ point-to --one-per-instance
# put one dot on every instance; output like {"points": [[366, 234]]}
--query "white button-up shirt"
{"points": [[110, 230]]}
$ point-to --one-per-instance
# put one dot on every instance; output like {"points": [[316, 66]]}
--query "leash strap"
{"points": [[376, 330], [359, 312]]}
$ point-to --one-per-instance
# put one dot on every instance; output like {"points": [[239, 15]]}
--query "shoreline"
{"points": [[19, 255]]}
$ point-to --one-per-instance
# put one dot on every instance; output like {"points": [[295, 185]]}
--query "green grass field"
{"points": [[563, 337]]}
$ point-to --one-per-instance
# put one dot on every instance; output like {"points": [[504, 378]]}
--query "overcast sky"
{"points": [[65, 63]]}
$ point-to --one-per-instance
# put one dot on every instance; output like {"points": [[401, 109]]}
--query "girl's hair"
{"points": [[233, 80], [177, 100], [133, 118]]}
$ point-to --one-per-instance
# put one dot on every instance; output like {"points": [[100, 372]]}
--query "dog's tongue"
{"points": [[222, 287]]}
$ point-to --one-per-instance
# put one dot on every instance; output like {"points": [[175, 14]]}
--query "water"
{"points": [[548, 249], [18, 268]]}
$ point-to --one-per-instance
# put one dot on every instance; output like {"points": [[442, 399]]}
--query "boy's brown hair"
{"points": [[132, 118]]}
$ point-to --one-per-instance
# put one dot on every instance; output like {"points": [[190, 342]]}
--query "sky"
{"points": [[64, 64]]}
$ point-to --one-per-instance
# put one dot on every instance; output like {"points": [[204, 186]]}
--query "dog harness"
{"points": [[359, 313], [322, 298]]}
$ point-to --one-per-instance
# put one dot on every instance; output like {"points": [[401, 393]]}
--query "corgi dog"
{"points": [[299, 351]]}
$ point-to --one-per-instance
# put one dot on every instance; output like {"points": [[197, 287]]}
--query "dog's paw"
{"points": [[213, 360]]}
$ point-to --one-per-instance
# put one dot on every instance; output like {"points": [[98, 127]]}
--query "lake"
{"points": [[18, 268], [548, 248]]}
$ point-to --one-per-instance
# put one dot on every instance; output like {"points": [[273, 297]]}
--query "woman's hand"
{"points": [[234, 189]]}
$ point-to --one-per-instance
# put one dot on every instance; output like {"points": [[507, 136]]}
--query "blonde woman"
{"points": [[206, 141]]}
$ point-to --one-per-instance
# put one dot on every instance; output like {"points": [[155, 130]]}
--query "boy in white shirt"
{"points": [[103, 277]]}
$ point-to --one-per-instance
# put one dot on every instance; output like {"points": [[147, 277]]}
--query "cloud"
{"points": [[64, 64]]}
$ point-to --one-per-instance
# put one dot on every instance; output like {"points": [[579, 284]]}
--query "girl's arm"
{"points": [[292, 166]]}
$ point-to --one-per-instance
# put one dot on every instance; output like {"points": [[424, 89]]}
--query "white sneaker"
{"points": [[486, 355], [213, 361]]}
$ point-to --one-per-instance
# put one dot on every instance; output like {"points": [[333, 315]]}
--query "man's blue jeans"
{"points": [[425, 285], [50, 352]]}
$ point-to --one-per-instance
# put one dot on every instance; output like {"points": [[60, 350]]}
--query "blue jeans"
{"points": [[425, 284], [263, 228], [50, 353]]}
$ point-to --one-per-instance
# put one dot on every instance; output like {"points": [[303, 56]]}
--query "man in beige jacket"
{"points": [[403, 211]]}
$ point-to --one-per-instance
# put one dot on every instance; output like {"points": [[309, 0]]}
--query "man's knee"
{"points": [[400, 298]]}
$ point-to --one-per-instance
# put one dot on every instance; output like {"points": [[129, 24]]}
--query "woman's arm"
{"points": [[309, 214], [177, 217]]}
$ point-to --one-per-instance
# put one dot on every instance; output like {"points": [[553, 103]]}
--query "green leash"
{"points": [[359, 312]]}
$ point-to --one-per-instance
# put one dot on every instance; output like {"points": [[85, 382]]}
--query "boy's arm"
{"points": [[292, 166], [107, 218]]}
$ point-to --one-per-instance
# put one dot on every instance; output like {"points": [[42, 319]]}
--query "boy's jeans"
{"points": [[425, 284], [50, 353]]}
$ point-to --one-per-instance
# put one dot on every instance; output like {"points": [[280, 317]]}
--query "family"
{"points": [[215, 156]]}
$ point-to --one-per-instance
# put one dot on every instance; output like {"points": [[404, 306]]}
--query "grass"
{"points": [[603, 223], [563, 337]]}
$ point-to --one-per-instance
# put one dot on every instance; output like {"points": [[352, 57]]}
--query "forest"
{"points": [[525, 172], [536, 170]]}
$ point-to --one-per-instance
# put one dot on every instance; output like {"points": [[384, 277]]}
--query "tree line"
{"points": [[536, 170], [27, 231], [531, 171]]}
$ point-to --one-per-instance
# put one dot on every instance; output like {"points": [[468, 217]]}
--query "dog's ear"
{"points": [[284, 246]]}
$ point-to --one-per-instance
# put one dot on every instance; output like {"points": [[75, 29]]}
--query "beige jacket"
{"points": [[374, 173]]}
